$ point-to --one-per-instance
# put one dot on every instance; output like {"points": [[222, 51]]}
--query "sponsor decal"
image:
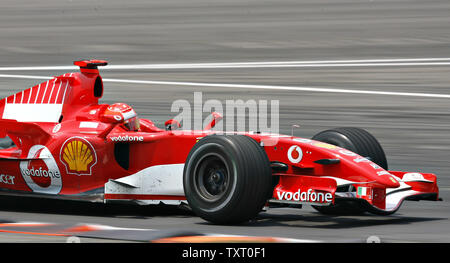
{"points": [[78, 156], [383, 173], [393, 180], [56, 128], [127, 138], [309, 196], [413, 177], [348, 153], [375, 166], [41, 173], [7, 179], [324, 145], [278, 135], [89, 124], [295, 154], [391, 177], [361, 160], [302, 140]]}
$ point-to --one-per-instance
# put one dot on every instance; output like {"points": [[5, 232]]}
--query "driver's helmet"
{"points": [[122, 112]]}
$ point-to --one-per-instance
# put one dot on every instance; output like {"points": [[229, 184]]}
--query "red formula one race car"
{"points": [[67, 145]]}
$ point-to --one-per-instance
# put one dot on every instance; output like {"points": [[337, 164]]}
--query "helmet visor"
{"points": [[132, 124]]}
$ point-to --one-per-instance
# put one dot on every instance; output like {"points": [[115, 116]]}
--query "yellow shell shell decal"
{"points": [[78, 156], [324, 145]]}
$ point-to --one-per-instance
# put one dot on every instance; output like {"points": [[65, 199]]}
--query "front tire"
{"points": [[358, 141], [227, 179]]}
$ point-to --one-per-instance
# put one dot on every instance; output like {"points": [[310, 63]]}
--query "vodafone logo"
{"points": [[295, 154], [127, 138], [41, 173]]}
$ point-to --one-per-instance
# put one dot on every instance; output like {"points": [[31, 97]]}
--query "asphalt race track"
{"points": [[404, 99]]}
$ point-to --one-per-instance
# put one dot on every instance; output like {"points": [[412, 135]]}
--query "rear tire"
{"points": [[358, 141], [227, 179]]}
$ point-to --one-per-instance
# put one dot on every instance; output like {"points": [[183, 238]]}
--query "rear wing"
{"points": [[90, 66], [23, 114], [41, 103], [48, 101]]}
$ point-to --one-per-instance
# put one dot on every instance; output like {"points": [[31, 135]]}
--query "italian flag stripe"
{"points": [[362, 191]]}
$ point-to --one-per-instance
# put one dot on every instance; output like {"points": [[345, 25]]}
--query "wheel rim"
{"points": [[211, 177]]}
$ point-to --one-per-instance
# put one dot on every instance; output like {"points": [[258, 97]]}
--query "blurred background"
{"points": [[378, 49]]}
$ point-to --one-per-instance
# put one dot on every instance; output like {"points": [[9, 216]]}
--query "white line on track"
{"points": [[401, 62], [272, 87], [271, 65], [249, 86], [23, 76]]}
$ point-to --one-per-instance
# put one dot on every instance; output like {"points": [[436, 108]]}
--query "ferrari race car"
{"points": [[64, 144]]}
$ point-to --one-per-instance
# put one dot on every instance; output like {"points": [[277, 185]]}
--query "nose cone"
{"points": [[370, 172], [386, 179], [390, 182]]}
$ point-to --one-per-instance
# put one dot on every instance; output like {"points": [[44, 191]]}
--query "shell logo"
{"points": [[78, 155]]}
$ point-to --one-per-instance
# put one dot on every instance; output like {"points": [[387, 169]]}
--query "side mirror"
{"points": [[172, 125], [216, 118], [113, 120]]}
